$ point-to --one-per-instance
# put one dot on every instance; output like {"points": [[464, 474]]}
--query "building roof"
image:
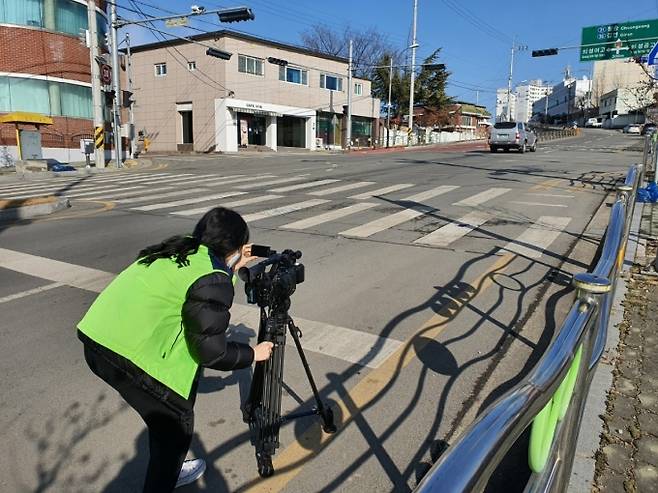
{"points": [[215, 35]]}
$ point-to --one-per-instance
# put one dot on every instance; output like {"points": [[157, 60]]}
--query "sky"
{"points": [[475, 36]]}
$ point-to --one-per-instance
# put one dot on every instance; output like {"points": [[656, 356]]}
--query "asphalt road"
{"points": [[434, 282]]}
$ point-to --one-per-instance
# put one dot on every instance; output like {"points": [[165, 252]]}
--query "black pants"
{"points": [[169, 417]]}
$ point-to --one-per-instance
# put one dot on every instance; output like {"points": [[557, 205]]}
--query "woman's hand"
{"points": [[245, 258], [263, 351]]}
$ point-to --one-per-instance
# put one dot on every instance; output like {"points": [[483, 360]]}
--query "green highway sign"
{"points": [[623, 40]]}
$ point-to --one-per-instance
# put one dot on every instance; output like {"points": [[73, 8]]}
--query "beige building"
{"points": [[187, 100], [609, 75]]}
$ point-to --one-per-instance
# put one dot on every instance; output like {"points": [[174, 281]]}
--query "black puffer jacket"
{"points": [[205, 320]]}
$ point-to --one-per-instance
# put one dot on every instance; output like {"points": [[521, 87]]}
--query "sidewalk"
{"points": [[627, 458]]}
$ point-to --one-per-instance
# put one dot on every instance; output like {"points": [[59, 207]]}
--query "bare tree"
{"points": [[369, 47]]}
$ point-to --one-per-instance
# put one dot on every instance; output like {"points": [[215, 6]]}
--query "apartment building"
{"points": [[526, 96], [267, 95]]}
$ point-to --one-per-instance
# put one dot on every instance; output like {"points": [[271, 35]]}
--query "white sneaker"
{"points": [[192, 470]]}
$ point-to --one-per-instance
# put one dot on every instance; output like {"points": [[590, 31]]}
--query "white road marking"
{"points": [[96, 192], [169, 179], [351, 345], [193, 200], [303, 186], [329, 216], [256, 216], [539, 235], [56, 191], [354, 346], [453, 231], [237, 203], [556, 195], [125, 193], [341, 188], [382, 191], [57, 182], [30, 292], [54, 270], [539, 204], [158, 196], [270, 182], [236, 179], [482, 197], [392, 220]]}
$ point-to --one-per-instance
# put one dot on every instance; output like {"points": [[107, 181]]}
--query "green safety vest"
{"points": [[139, 317]]}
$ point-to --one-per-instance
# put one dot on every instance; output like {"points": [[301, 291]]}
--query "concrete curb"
{"points": [[591, 427], [29, 211]]}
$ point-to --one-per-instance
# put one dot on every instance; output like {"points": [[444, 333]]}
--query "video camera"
{"points": [[274, 286]]}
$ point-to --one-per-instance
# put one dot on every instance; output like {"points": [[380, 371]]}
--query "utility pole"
{"points": [[388, 107], [477, 98], [131, 115], [348, 133], [96, 96], [116, 73], [413, 47], [509, 83]]}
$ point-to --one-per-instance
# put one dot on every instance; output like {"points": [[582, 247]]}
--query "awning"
{"points": [[26, 117], [254, 111]]}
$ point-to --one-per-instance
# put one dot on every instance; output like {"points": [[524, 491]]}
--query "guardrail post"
{"points": [[624, 191], [590, 287]]}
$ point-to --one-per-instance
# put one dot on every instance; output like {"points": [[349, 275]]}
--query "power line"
{"points": [[474, 20]]}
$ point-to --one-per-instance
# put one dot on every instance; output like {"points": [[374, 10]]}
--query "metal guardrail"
{"points": [[552, 397], [545, 135]]}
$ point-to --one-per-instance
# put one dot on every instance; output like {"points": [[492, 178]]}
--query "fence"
{"points": [[544, 135], [552, 397], [423, 136]]}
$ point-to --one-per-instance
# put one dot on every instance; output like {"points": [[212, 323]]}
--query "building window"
{"points": [[293, 75], [358, 89], [70, 16], [250, 65], [160, 69], [45, 97], [331, 82], [191, 66]]}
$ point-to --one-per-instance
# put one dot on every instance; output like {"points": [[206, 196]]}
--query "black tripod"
{"points": [[262, 411]]}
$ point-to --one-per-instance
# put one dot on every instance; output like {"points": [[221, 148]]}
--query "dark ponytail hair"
{"points": [[221, 230]]}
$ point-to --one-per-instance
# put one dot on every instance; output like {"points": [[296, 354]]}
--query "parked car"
{"points": [[593, 123], [512, 135], [632, 129], [648, 128]]}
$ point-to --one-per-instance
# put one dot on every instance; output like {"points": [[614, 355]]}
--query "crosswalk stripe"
{"points": [[145, 198], [538, 204], [330, 216], [95, 193], [430, 194], [55, 191], [57, 182], [482, 197], [556, 195], [168, 179], [269, 183], [302, 186], [194, 200], [341, 188], [451, 232], [236, 203], [126, 192], [540, 235], [49, 188], [256, 216], [382, 191], [392, 220], [236, 179], [355, 346]]}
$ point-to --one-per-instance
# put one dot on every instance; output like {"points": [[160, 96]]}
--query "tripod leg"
{"points": [[327, 415]]}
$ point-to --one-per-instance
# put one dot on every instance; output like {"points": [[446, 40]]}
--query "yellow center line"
{"points": [[289, 462]]}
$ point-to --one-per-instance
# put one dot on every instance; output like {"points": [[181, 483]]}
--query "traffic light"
{"points": [[224, 55], [548, 52], [109, 98], [236, 15], [277, 61], [127, 99]]}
